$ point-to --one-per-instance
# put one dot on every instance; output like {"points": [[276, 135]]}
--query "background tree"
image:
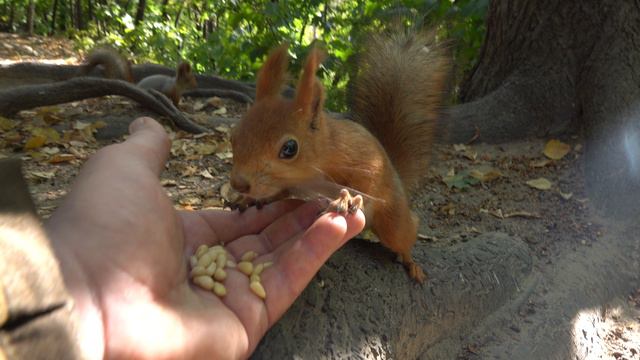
{"points": [[232, 38], [549, 67]]}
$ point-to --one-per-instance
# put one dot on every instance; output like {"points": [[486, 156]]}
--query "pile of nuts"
{"points": [[208, 269]]}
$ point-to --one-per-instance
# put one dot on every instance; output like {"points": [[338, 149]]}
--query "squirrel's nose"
{"points": [[240, 184]]}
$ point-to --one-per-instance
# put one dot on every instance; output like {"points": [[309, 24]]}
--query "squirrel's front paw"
{"points": [[242, 203], [345, 203]]}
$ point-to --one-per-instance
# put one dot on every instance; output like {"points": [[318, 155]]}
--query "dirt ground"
{"points": [[472, 189]]}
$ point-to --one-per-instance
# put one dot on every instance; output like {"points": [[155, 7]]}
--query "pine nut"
{"points": [[254, 278], [193, 260], [211, 269], [245, 267], [267, 264], [249, 256], [204, 281], [257, 289], [205, 261], [220, 274], [202, 249], [219, 289], [231, 264], [216, 249], [197, 271], [221, 260], [258, 269]]}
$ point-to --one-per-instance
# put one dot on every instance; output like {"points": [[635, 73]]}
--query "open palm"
{"points": [[124, 252]]}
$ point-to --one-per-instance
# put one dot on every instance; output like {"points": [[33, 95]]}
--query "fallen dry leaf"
{"points": [[60, 158], [190, 201], [459, 147], [34, 142], [220, 111], [206, 174], [168, 182], [203, 148], [199, 105], [540, 184], [539, 163], [485, 175], [524, 214], [565, 196], [43, 174], [223, 129], [224, 155], [556, 149], [215, 102], [7, 124]]}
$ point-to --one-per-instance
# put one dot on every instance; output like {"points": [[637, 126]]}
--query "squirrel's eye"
{"points": [[289, 149]]}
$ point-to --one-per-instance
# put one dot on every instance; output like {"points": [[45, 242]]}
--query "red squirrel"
{"points": [[172, 87], [117, 66], [282, 146]]}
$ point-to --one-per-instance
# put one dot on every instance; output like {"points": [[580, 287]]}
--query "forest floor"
{"points": [[531, 189]]}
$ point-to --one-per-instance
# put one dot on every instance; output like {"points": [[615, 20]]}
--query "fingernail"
{"points": [[137, 124]]}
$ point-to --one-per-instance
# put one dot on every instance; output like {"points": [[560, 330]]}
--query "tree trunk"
{"points": [[54, 13], [142, 4], [163, 6], [12, 15], [549, 67], [78, 16], [31, 13]]}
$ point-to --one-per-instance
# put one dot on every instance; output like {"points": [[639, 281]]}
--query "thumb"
{"points": [[151, 142]]}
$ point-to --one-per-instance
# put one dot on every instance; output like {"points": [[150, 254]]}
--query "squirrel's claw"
{"points": [[345, 204], [243, 203]]}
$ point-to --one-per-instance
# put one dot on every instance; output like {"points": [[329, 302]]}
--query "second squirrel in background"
{"points": [[283, 147], [172, 87], [115, 65]]}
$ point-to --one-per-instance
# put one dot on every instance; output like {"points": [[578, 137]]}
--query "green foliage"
{"points": [[232, 37]]}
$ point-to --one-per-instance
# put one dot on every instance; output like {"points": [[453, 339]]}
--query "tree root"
{"points": [[25, 97], [222, 93]]}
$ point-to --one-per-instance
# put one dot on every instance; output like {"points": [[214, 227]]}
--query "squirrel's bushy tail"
{"points": [[397, 95]]}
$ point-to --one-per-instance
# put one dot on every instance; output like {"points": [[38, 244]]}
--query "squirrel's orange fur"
{"points": [[172, 87], [115, 65], [383, 154]]}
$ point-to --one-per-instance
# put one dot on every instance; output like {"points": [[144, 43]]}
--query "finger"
{"points": [[278, 231], [300, 260], [231, 225], [151, 143]]}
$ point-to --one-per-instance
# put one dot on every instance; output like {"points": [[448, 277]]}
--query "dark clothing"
{"points": [[36, 320]]}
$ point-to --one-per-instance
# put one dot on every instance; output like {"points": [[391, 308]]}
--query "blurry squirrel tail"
{"points": [[398, 94]]}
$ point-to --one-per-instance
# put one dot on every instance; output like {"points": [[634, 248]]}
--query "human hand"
{"points": [[124, 251]]}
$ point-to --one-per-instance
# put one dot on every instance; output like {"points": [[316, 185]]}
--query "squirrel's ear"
{"points": [[309, 93], [273, 72], [184, 68]]}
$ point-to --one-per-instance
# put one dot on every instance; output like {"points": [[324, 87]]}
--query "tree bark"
{"points": [[142, 4], [31, 13], [551, 67], [78, 15], [54, 13], [12, 15]]}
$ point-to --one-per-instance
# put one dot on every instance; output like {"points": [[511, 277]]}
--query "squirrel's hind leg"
{"points": [[398, 231]]}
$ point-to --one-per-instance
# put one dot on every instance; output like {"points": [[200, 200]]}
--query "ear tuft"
{"points": [[309, 93], [272, 75], [184, 68]]}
